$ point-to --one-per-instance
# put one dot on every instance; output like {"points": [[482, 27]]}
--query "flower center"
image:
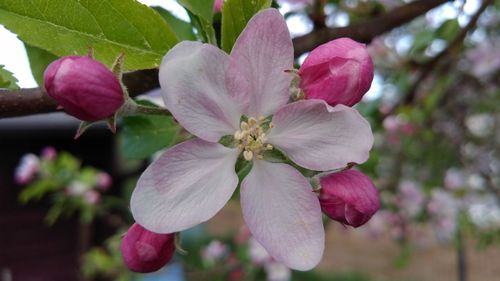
{"points": [[251, 138]]}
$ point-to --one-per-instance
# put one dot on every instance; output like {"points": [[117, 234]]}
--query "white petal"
{"points": [[185, 186], [193, 79], [320, 137], [263, 52], [283, 214]]}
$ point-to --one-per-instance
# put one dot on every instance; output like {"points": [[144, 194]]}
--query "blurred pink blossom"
{"points": [[454, 179], [277, 272], [48, 153], [92, 197], [77, 188], [258, 254], [27, 169], [103, 181], [443, 208], [214, 251], [410, 199]]}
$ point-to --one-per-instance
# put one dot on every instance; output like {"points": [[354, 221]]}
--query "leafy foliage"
{"points": [[144, 135], [235, 15], [39, 60], [7, 79], [108, 26]]}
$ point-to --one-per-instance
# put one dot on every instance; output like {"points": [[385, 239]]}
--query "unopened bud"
{"points": [[84, 87], [348, 197], [338, 72], [145, 251]]}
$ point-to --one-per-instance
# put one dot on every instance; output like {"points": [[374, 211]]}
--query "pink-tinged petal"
{"points": [[348, 197], [186, 185], [338, 72], [319, 137], [263, 52], [283, 214], [193, 80]]}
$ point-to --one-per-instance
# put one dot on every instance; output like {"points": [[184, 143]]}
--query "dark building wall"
{"points": [[29, 249]]}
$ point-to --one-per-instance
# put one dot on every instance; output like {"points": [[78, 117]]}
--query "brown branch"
{"points": [[23, 102], [367, 30]]}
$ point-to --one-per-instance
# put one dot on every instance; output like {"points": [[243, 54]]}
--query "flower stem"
{"points": [[150, 110]]}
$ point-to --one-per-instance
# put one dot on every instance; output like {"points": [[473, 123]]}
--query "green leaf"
{"points": [[422, 40], [39, 60], [448, 30], [201, 14], [184, 30], [202, 8], [70, 27], [235, 16], [7, 79], [144, 135]]}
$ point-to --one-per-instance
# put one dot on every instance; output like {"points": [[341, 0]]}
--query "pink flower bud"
{"points": [[338, 72], [218, 5], [348, 197], [145, 251], [84, 87]]}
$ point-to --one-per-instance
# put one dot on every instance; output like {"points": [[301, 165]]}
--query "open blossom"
{"points": [[209, 92]]}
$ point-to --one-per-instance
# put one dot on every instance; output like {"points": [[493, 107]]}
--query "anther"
{"points": [[238, 135], [252, 121], [248, 155]]}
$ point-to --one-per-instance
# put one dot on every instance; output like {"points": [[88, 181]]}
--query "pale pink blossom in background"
{"points": [[214, 251], [92, 197], [410, 199], [103, 181], [277, 272], [27, 169], [443, 208], [454, 179], [208, 91], [76, 188], [484, 58], [258, 254], [48, 153]]}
